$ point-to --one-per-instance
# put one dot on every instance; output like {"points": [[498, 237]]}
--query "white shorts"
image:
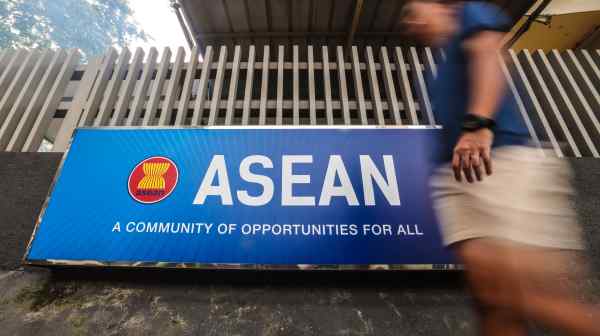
{"points": [[527, 199]]}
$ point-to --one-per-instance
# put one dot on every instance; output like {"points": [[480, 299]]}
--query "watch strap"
{"points": [[472, 123]]}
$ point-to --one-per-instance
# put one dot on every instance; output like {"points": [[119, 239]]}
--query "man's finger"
{"points": [[466, 166], [456, 167], [487, 160], [476, 163]]}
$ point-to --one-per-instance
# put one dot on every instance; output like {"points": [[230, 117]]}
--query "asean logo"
{"points": [[152, 180]]}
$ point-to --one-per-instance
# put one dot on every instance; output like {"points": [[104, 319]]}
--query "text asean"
{"points": [[336, 183]]}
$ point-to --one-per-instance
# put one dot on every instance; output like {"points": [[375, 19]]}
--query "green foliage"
{"points": [[90, 25]]}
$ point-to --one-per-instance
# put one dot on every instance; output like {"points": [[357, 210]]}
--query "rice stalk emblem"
{"points": [[153, 179]]}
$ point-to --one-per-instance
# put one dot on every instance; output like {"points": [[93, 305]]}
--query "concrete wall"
{"points": [[25, 179], [111, 302]]}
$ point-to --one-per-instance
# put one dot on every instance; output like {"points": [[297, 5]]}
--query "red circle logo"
{"points": [[152, 180]]}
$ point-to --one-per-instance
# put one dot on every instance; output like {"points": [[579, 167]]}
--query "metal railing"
{"points": [[47, 94]]}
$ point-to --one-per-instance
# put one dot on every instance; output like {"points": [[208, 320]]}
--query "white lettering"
{"points": [[164, 227], [388, 186], [217, 167], [288, 179], [401, 230], [215, 182], [419, 233], [264, 181], [336, 168]]}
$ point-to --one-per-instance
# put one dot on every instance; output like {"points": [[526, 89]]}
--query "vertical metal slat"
{"points": [[127, 88], [536, 104], [557, 96], [157, 86], [430, 62], [167, 107], [24, 97], [519, 101], [216, 96], [550, 104], [13, 65], [202, 87], [186, 91], [571, 86], [421, 87], [79, 100], [249, 83], [591, 67], [93, 101], [327, 86], [341, 65], [17, 83], [112, 89], [295, 87], [233, 84], [374, 85], [264, 88], [279, 108], [30, 132], [390, 89], [140, 94], [588, 90], [312, 108], [358, 87], [407, 96]]}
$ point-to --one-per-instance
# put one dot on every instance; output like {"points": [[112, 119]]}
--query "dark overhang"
{"points": [[303, 22]]}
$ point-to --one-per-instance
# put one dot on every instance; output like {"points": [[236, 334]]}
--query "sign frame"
{"points": [[221, 266]]}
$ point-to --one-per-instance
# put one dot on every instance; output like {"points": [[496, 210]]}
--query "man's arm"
{"points": [[486, 89], [486, 81]]}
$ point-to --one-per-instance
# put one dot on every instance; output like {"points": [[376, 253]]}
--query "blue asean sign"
{"points": [[244, 196]]}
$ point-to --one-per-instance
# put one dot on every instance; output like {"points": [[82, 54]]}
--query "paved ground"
{"points": [[217, 303]]}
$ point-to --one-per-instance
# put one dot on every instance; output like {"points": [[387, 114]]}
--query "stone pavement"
{"points": [[82, 302]]}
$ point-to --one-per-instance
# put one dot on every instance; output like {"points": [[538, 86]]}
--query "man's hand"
{"points": [[487, 86], [472, 151]]}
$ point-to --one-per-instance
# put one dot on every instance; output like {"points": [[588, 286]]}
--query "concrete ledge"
{"points": [[25, 179]]}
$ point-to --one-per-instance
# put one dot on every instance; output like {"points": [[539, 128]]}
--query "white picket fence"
{"points": [[47, 94]]}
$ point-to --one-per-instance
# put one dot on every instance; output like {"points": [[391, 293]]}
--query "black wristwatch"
{"points": [[472, 123]]}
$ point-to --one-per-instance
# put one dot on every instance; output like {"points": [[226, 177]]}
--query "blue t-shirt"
{"points": [[450, 91]]}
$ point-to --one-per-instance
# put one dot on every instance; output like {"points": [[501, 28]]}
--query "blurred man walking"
{"points": [[503, 204]]}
